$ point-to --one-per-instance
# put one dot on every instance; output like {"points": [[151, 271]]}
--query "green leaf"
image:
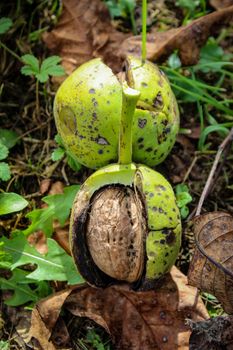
{"points": [[73, 163], [113, 8], [27, 70], [11, 202], [174, 61], [50, 62], [4, 345], [18, 283], [212, 57], [182, 197], [56, 265], [50, 67], [181, 188], [57, 154], [32, 62], [25, 289], [3, 151], [128, 5], [9, 138], [209, 129], [42, 76], [59, 206], [184, 212], [187, 4], [58, 140], [5, 24], [41, 219], [5, 258], [5, 173]]}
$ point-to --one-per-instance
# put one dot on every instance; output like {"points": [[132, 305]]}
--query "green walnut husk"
{"points": [[125, 226], [87, 112]]}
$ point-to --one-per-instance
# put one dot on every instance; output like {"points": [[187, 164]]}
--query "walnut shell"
{"points": [[116, 232]]}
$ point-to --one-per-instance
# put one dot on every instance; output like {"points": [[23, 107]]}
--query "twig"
{"points": [[189, 169], [227, 141]]}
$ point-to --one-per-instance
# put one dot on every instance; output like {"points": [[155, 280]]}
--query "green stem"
{"points": [[37, 99], [10, 51], [129, 101], [133, 23], [144, 17]]}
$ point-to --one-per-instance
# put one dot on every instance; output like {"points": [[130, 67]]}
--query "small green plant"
{"points": [[41, 71], [61, 152], [11, 203], [212, 304], [95, 341], [192, 9], [16, 253], [123, 8], [49, 66], [5, 24], [183, 197], [189, 87], [4, 345], [58, 208], [30, 286], [8, 139]]}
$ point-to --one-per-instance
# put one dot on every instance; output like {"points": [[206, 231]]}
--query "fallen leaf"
{"points": [[45, 185], [39, 241], [187, 39], [220, 4], [136, 320], [44, 318], [84, 31], [211, 268], [56, 188], [215, 333], [61, 235]]}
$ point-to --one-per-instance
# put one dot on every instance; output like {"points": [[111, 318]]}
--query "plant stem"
{"points": [[129, 101], [10, 51], [144, 18], [37, 99], [133, 23]]}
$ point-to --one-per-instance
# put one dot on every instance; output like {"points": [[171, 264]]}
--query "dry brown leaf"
{"points": [[211, 269], [61, 235], [56, 188], [45, 185], [187, 39], [84, 31], [220, 4], [135, 320], [39, 241], [215, 333], [44, 318]]}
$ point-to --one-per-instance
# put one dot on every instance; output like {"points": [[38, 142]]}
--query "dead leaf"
{"points": [[84, 31], [215, 333], [56, 188], [187, 39], [39, 241], [45, 316], [211, 268], [220, 4], [136, 320], [61, 235], [45, 185]]}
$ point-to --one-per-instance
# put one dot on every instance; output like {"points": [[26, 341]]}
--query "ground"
{"points": [[204, 94]]}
